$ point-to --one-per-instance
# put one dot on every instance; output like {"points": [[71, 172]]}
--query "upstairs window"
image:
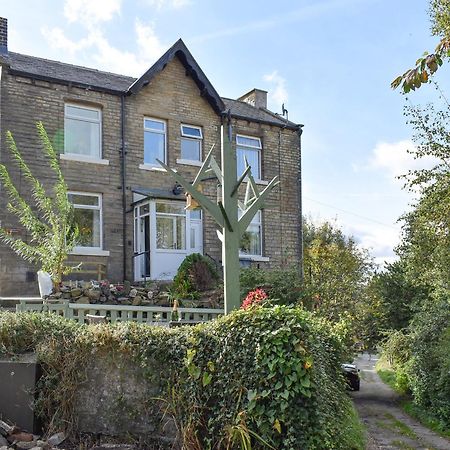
{"points": [[82, 131], [88, 217], [155, 141], [251, 240], [191, 143], [250, 148]]}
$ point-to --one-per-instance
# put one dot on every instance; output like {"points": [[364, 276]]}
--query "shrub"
{"points": [[266, 375], [283, 286], [196, 273], [429, 369], [254, 298]]}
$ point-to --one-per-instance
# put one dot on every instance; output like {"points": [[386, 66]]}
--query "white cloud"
{"points": [[171, 4], [91, 12], [278, 95], [105, 56], [395, 160]]}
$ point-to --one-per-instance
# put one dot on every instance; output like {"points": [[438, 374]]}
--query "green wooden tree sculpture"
{"points": [[226, 211]]}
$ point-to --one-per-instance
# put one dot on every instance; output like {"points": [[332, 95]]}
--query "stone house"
{"points": [[109, 129]]}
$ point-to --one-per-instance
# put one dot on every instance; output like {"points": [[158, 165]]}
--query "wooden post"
{"points": [[226, 211]]}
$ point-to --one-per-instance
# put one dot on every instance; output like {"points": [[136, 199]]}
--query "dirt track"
{"points": [[388, 426]]}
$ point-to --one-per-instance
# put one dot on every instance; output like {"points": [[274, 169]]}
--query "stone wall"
{"points": [[173, 96]]}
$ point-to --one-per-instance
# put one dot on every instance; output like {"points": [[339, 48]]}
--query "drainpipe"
{"points": [[300, 202], [124, 186]]}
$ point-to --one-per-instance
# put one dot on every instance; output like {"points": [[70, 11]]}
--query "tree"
{"points": [[426, 230], [50, 223], [428, 64], [337, 271]]}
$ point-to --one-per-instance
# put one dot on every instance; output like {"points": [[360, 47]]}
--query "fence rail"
{"points": [[155, 315]]}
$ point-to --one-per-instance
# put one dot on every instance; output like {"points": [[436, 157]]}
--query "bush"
{"points": [[196, 274], [268, 375], [283, 286], [429, 369]]}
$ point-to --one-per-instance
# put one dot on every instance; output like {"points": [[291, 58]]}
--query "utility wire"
{"points": [[351, 213]]}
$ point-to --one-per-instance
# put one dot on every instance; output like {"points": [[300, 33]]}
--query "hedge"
{"points": [[269, 377]]}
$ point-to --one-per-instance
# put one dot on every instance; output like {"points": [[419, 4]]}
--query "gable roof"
{"points": [[97, 80], [180, 50]]}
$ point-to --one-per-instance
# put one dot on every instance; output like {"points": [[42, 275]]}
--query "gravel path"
{"points": [[388, 426]]}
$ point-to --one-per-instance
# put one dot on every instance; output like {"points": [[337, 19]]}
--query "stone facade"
{"points": [[172, 95]]}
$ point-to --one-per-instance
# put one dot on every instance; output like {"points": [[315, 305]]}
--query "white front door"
{"points": [[165, 233]]}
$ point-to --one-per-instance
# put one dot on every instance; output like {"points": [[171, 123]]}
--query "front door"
{"points": [[165, 233]]}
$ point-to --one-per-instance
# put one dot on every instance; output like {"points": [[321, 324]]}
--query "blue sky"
{"points": [[329, 61]]}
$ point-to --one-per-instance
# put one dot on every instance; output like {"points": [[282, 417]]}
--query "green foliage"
{"points": [[283, 286], [50, 223], [337, 271], [420, 357], [428, 64], [263, 378], [196, 273]]}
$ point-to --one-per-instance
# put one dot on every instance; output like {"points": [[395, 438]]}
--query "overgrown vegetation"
{"points": [[196, 274], [49, 222], [266, 377]]}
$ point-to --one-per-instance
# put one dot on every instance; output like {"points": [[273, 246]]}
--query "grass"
{"points": [[402, 445], [388, 377], [399, 427], [355, 430]]}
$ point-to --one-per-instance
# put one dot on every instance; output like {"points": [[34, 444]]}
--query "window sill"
{"points": [[81, 158], [89, 251], [257, 258], [189, 162], [151, 167], [263, 182]]}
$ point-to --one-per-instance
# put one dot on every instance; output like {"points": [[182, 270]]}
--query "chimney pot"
{"points": [[256, 98], [3, 36]]}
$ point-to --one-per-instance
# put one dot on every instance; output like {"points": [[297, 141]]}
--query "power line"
{"points": [[352, 213]]}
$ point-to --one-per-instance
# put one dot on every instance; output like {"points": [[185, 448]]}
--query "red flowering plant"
{"points": [[254, 298]]}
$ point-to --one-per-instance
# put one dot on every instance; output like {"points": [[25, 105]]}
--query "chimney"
{"points": [[256, 98], [3, 36]]}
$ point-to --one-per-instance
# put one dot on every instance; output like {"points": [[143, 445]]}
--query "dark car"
{"points": [[351, 373]]}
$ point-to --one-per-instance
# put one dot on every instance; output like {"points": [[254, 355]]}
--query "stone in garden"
{"points": [[20, 436], [26, 445], [57, 295], [93, 294], [66, 295], [113, 447], [83, 300], [6, 429], [76, 292], [56, 439], [4, 447], [3, 441], [137, 301], [87, 285], [126, 287], [133, 293], [102, 298]]}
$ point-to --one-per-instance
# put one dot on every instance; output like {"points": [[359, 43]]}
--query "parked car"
{"points": [[351, 373]]}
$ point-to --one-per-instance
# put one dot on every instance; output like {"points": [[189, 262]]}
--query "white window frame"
{"points": [[75, 156], [150, 166], [172, 216], [80, 250], [188, 137], [254, 222], [259, 148]]}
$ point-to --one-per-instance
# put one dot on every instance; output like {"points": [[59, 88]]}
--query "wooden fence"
{"points": [[154, 315]]}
